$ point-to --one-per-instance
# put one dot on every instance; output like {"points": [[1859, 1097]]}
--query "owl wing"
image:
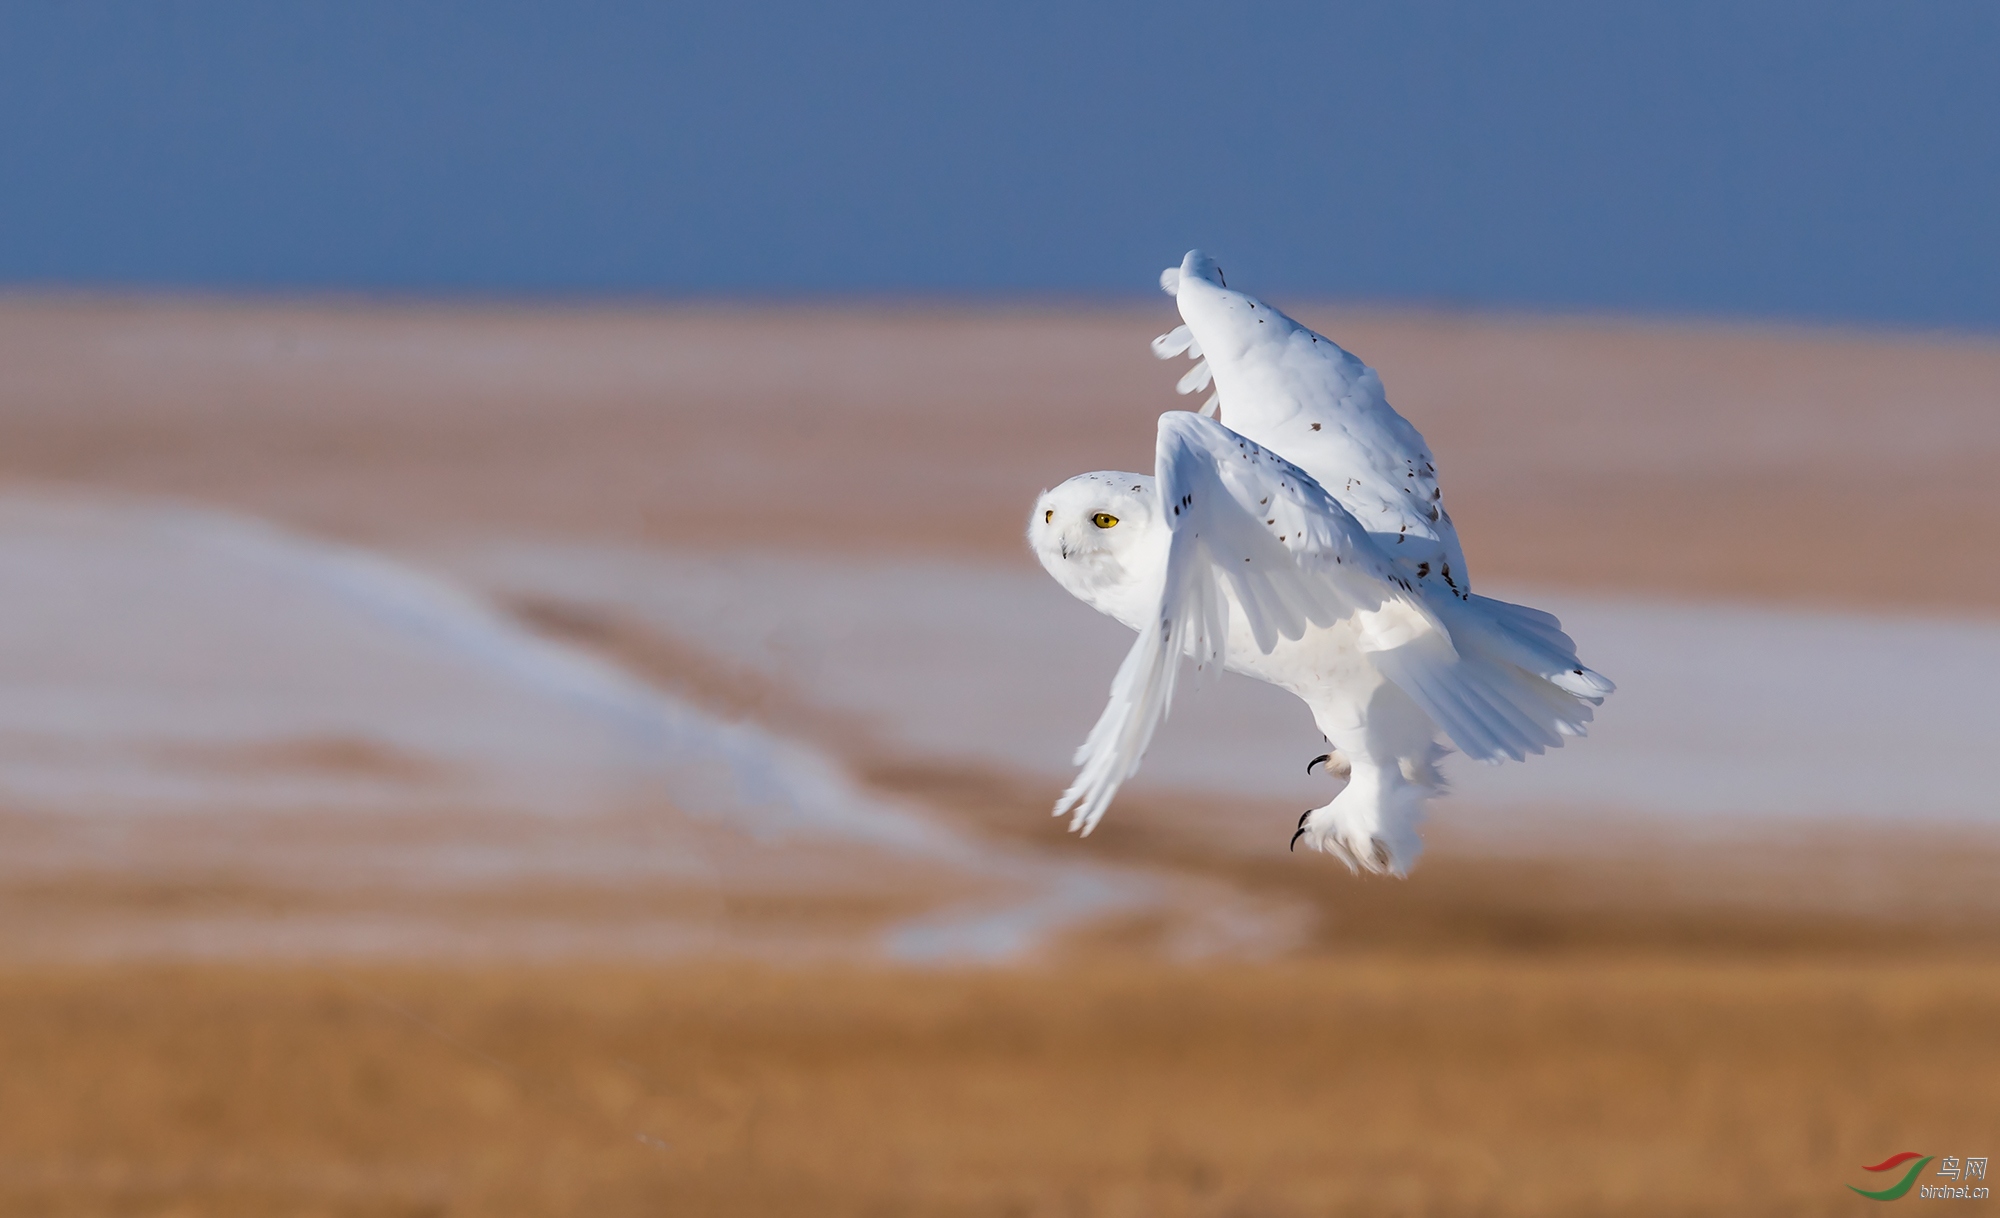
{"points": [[1301, 394]]}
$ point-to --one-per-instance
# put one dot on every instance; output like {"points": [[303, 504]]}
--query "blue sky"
{"points": [[1822, 161]]}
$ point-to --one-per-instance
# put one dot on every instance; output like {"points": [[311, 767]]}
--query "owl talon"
{"points": [[1302, 829], [1335, 764]]}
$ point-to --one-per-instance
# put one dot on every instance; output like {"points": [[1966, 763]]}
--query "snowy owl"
{"points": [[1234, 555]]}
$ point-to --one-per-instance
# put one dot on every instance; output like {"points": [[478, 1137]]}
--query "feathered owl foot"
{"points": [[1325, 831], [1327, 838]]}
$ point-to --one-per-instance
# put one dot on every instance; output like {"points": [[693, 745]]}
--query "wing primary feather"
{"points": [[1529, 638], [1196, 379], [1191, 620], [1518, 733]]}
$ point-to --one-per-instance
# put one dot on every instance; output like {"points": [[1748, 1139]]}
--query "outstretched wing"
{"points": [[1244, 519], [1299, 393]]}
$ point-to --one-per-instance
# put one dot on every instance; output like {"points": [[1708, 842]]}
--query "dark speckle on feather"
{"points": [[1315, 427]]}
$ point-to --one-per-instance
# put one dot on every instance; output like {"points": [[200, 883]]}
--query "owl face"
{"points": [[1094, 531]]}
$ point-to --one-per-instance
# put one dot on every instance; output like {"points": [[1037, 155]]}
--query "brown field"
{"points": [[1652, 1021], [1452, 1083], [1637, 1031]]}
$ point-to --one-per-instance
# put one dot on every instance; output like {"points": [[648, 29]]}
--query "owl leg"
{"points": [[1372, 824]]}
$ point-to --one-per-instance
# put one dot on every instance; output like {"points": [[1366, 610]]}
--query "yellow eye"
{"points": [[1104, 520], [1049, 517]]}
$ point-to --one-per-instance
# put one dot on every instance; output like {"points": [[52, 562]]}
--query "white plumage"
{"points": [[1239, 551], [1300, 394]]}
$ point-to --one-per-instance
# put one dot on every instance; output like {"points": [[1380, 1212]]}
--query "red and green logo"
{"points": [[1890, 1164]]}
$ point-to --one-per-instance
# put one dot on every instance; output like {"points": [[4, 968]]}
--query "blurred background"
{"points": [[521, 691]]}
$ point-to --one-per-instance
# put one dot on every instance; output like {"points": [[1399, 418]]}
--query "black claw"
{"points": [[1294, 845], [1319, 760]]}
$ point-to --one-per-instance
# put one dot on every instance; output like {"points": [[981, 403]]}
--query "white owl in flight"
{"points": [[1305, 545]]}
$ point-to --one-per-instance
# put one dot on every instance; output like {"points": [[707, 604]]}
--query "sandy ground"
{"points": [[399, 816], [1483, 1084]]}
